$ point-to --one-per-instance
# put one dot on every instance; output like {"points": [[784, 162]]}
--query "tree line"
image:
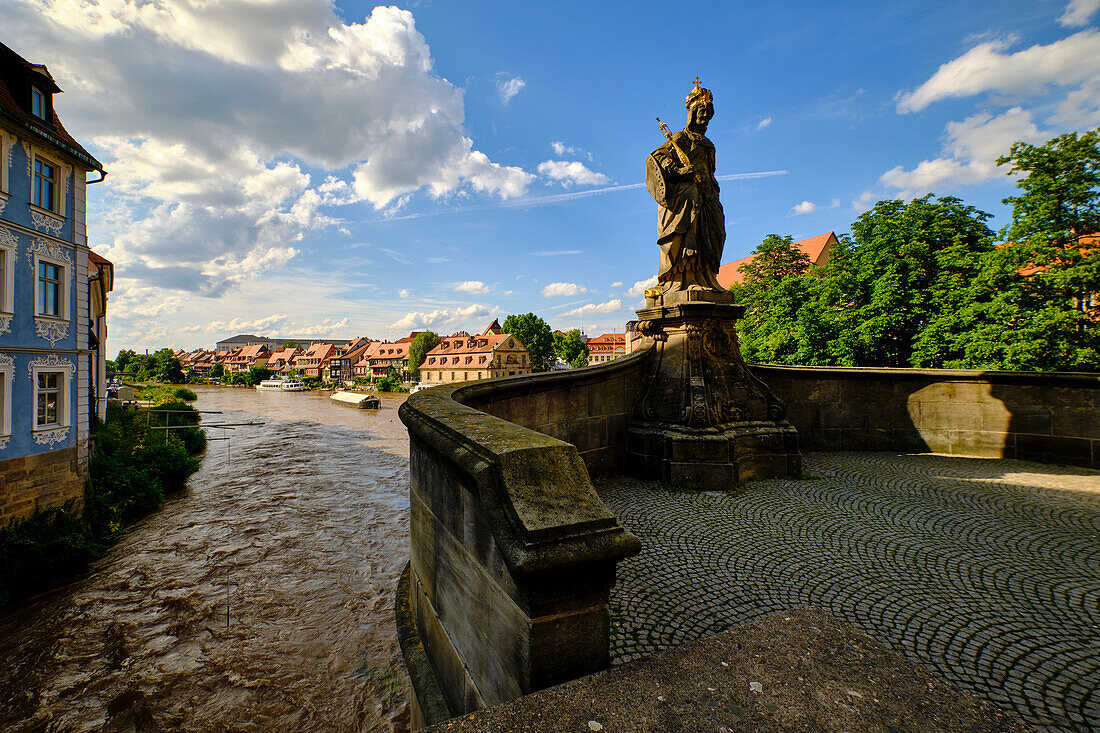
{"points": [[927, 284]]}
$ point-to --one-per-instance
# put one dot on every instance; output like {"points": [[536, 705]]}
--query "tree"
{"points": [[571, 348], [123, 359], [291, 344], [1035, 306], [534, 333], [904, 267], [217, 371], [166, 368], [257, 374], [418, 350], [776, 259]]}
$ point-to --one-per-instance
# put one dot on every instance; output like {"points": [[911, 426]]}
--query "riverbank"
{"points": [[304, 519]]}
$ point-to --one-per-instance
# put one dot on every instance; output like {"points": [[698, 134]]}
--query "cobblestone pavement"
{"points": [[986, 571]]}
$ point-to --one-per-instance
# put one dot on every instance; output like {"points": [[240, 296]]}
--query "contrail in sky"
{"points": [[560, 197]]}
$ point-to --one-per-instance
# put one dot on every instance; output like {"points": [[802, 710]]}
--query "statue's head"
{"points": [[700, 106]]}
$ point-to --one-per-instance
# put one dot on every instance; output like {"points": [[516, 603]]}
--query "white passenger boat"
{"points": [[282, 385], [357, 399]]}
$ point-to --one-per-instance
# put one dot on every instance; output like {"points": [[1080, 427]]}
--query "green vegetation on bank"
{"points": [[132, 467], [927, 284]]}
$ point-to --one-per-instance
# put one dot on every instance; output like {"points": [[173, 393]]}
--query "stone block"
{"points": [[1076, 451], [943, 416], [568, 403], [703, 476], [763, 466], [978, 443], [568, 645], [1081, 422], [706, 449]]}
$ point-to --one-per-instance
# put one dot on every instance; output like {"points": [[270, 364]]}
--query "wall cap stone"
{"points": [[1075, 379]]}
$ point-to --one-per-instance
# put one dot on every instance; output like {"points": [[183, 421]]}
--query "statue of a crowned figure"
{"points": [[691, 227]]}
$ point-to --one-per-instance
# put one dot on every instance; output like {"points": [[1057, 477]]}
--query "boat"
{"points": [[282, 385], [357, 399]]}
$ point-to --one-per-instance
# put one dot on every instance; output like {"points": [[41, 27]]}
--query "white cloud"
{"points": [[571, 172], [763, 123], [864, 202], [554, 289], [805, 207], [970, 153], [639, 288], [611, 306], [616, 284], [557, 252], [474, 287], [986, 68], [444, 318], [206, 115], [404, 293], [1078, 12], [508, 86]]}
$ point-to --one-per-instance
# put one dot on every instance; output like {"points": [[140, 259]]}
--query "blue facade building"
{"points": [[50, 329]]}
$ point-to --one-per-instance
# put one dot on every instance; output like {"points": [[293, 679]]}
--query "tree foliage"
{"points": [[534, 333], [571, 348], [418, 350]]}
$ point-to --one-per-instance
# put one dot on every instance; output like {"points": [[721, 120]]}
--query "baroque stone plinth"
{"points": [[702, 420]]}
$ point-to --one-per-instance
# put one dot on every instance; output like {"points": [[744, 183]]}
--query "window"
{"points": [[38, 104], [5, 287], [44, 189], [49, 396], [7, 365], [49, 289]]}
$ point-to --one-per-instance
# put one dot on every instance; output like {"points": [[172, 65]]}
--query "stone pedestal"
{"points": [[702, 420]]}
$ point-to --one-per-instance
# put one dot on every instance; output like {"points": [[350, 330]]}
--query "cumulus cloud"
{"points": [[763, 123], [207, 114], [508, 86], [554, 289], [1078, 12], [864, 202], [570, 172], [617, 284], [989, 68], [442, 319], [404, 293], [970, 153], [474, 287], [611, 306], [809, 207], [639, 288]]}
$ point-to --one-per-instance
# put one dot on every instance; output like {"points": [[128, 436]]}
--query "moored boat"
{"points": [[282, 385], [357, 399]]}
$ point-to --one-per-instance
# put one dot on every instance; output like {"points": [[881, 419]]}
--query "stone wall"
{"points": [[39, 481], [1028, 415], [590, 408], [512, 553]]}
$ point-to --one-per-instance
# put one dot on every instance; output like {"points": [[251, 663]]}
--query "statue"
{"points": [[691, 227]]}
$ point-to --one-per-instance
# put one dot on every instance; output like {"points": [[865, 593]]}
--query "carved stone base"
{"points": [[702, 420]]}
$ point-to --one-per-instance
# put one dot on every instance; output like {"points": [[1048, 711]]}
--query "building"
{"points": [[464, 357], [312, 361], [341, 367], [282, 359], [816, 248], [51, 314], [385, 355], [606, 347], [246, 339]]}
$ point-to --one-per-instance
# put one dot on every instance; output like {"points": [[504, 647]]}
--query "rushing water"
{"points": [[258, 600]]}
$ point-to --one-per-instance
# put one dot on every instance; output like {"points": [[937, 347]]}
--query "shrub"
{"points": [[185, 394]]}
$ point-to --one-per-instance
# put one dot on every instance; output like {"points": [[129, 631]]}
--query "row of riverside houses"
{"points": [[330, 361], [53, 300], [463, 357]]}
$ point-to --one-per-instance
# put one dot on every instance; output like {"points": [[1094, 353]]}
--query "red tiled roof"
{"points": [[815, 248]]}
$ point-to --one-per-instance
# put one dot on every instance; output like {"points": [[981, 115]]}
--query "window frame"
{"points": [[7, 384], [39, 95], [65, 280], [64, 406], [57, 204], [7, 279]]}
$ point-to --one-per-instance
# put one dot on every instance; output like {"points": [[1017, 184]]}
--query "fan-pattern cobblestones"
{"points": [[986, 571]]}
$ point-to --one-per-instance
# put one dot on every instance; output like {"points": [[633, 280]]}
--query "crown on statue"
{"points": [[698, 95]]}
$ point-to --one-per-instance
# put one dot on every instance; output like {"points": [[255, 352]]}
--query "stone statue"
{"points": [[691, 227]]}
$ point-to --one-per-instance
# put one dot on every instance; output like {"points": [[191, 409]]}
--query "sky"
{"points": [[310, 168]]}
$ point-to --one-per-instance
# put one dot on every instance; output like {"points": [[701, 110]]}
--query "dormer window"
{"points": [[38, 103]]}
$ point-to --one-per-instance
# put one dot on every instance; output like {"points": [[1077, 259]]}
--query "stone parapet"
{"points": [[1045, 416], [512, 553], [40, 481]]}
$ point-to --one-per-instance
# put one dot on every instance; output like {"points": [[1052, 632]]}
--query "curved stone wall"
{"points": [[512, 553], [1046, 416]]}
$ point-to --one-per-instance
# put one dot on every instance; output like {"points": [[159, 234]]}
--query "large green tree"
{"points": [[419, 348], [166, 368], [535, 334], [1035, 306], [571, 348]]}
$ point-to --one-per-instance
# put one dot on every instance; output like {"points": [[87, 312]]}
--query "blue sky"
{"points": [[298, 167]]}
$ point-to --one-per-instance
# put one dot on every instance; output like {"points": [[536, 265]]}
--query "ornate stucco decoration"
{"points": [[8, 238], [51, 361], [46, 223], [50, 329], [7, 363], [5, 323], [3, 203], [50, 438], [40, 246]]}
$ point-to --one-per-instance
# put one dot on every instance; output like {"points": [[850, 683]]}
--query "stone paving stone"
{"points": [[985, 571]]}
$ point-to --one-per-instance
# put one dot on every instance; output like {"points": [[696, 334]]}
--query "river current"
{"points": [[259, 599]]}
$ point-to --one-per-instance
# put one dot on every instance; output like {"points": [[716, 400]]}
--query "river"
{"points": [[259, 599]]}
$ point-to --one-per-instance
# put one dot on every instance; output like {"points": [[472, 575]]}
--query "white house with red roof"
{"points": [[463, 357], [816, 248]]}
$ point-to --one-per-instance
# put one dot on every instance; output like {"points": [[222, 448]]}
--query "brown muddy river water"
{"points": [[298, 529]]}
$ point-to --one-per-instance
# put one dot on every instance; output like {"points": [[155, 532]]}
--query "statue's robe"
{"points": [[691, 226]]}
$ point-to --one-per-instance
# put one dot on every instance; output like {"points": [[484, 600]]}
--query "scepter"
{"points": [[679, 151]]}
